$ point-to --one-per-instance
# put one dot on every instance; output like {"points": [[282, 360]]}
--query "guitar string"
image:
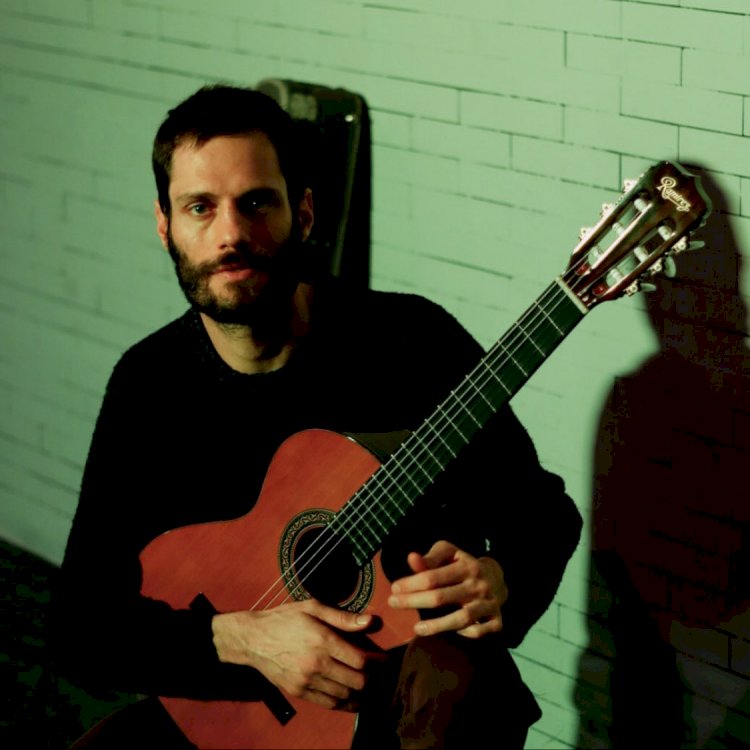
{"points": [[462, 409], [358, 516], [457, 413], [466, 402], [383, 470], [505, 343]]}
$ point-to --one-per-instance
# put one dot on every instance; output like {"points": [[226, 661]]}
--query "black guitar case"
{"points": [[336, 124]]}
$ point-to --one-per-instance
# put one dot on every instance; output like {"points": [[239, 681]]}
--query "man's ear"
{"points": [[162, 225], [305, 214]]}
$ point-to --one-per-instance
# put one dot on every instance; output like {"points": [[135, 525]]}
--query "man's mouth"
{"points": [[245, 267], [235, 272]]}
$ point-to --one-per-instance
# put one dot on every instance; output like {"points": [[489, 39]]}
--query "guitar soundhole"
{"points": [[317, 563]]}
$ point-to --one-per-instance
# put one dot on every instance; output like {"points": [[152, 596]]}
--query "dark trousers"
{"points": [[446, 692]]}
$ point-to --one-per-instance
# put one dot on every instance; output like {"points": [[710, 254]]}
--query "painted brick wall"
{"points": [[499, 128]]}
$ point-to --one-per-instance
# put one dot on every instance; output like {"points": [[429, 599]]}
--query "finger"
{"points": [[447, 575], [440, 553], [349, 679], [481, 629], [431, 598], [337, 647], [350, 704], [454, 621], [331, 687], [474, 620], [416, 562], [339, 618], [321, 699], [487, 618]]}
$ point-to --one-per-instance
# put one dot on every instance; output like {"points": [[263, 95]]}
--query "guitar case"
{"points": [[335, 124]]}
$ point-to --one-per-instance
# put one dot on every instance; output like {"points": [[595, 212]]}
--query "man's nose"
{"points": [[233, 227]]}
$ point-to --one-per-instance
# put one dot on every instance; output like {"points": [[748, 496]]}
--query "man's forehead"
{"points": [[224, 158], [255, 143]]}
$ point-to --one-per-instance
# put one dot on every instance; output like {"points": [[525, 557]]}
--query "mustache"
{"points": [[235, 260]]}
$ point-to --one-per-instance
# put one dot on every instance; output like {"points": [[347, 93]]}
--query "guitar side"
{"points": [[236, 563]]}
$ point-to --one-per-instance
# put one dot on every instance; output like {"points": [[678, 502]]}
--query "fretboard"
{"points": [[372, 513]]}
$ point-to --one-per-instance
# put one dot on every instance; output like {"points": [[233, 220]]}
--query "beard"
{"points": [[242, 305]]}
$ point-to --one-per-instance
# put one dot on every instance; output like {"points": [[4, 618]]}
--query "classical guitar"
{"points": [[327, 503]]}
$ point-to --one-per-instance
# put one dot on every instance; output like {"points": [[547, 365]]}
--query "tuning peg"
{"points": [[657, 267], [682, 245], [628, 185], [607, 209], [670, 267], [639, 286], [584, 232]]}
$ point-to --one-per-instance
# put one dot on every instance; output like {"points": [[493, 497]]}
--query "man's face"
{"points": [[232, 233]]}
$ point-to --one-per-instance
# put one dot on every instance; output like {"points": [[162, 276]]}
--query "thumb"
{"points": [[343, 620], [416, 562]]}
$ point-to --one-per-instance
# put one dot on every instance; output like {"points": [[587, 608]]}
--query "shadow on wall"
{"points": [[668, 659]]}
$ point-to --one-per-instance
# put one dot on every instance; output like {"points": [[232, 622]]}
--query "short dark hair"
{"points": [[221, 109]]}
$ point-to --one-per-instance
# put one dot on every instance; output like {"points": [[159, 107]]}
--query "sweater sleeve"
{"points": [[106, 634], [532, 526]]}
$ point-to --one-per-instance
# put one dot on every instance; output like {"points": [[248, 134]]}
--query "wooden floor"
{"points": [[38, 708]]}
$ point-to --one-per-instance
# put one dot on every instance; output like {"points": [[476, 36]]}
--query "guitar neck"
{"points": [[382, 502]]}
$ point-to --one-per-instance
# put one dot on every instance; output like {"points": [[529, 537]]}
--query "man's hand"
{"points": [[447, 576], [297, 648]]}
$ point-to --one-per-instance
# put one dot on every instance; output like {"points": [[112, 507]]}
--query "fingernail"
{"points": [[362, 619], [392, 601]]}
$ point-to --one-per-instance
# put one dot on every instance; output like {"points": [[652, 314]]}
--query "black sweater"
{"points": [[181, 439]]}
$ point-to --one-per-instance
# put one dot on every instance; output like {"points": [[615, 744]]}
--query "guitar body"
{"points": [[238, 565]]}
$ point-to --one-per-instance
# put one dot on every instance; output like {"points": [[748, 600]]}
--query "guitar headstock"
{"points": [[636, 236]]}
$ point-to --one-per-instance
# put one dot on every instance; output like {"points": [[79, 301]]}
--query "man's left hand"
{"points": [[447, 576]]}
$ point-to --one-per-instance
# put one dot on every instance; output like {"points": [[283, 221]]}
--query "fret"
{"points": [[356, 528], [528, 336], [390, 517], [426, 426], [377, 519], [552, 322], [418, 464], [481, 393], [487, 367], [451, 422], [405, 476], [426, 448], [514, 360], [468, 411], [391, 486]]}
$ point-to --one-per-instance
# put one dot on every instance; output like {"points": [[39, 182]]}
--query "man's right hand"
{"points": [[297, 647]]}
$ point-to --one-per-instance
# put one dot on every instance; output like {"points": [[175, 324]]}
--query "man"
{"points": [[194, 413]]}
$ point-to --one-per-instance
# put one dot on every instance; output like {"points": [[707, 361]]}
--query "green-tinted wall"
{"points": [[499, 127]]}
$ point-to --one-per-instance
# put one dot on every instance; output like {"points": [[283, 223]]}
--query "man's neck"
{"points": [[246, 351]]}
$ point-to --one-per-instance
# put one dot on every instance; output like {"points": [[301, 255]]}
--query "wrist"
{"points": [[231, 637]]}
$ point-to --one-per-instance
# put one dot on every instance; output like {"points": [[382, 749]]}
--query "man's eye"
{"points": [[254, 206], [197, 209], [259, 202]]}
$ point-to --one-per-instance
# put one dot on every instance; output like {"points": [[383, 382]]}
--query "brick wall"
{"points": [[499, 128]]}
